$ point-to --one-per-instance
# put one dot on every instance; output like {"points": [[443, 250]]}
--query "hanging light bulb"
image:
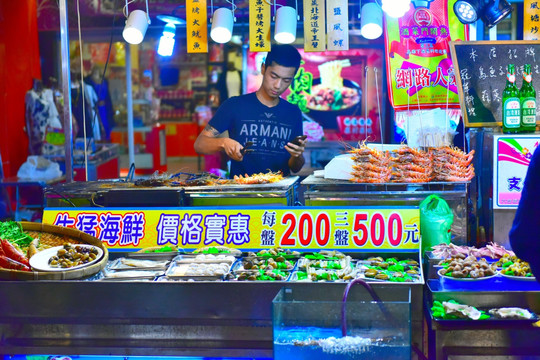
{"points": [[222, 25], [166, 41], [285, 25], [371, 21]]}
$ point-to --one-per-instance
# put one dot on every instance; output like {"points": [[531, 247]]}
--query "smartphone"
{"points": [[296, 140]]}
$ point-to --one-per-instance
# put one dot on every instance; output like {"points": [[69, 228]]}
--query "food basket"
{"points": [[53, 235]]}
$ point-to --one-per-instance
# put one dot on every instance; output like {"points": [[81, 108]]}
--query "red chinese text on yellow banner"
{"points": [[419, 65], [337, 25], [196, 26], [531, 20], [351, 229], [259, 25], [314, 26]]}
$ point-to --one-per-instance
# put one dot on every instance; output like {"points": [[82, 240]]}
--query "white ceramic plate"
{"points": [[40, 261], [464, 279], [522, 278]]}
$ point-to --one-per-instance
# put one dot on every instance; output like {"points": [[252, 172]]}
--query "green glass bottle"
{"points": [[527, 98], [511, 116]]}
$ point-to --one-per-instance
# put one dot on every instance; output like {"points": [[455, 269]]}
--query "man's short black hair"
{"points": [[285, 55]]}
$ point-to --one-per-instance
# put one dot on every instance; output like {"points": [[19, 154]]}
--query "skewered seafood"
{"points": [[371, 165], [261, 178]]}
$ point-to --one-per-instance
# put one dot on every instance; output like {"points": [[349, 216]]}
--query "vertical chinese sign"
{"points": [[419, 65], [259, 25], [511, 158], [531, 20], [314, 26], [337, 24], [196, 26]]}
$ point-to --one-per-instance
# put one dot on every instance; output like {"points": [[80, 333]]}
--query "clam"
{"points": [[412, 272], [381, 276], [370, 273], [280, 259], [412, 262]]}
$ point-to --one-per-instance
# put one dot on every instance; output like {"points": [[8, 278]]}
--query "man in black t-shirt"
{"points": [[262, 118]]}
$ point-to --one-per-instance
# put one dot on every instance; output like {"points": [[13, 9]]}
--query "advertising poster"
{"points": [[338, 108], [511, 160], [419, 65], [351, 229]]}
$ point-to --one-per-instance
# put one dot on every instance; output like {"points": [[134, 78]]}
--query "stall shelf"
{"points": [[120, 193], [483, 339], [222, 319], [330, 192]]}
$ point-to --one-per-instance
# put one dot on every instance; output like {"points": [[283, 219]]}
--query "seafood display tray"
{"points": [[344, 185], [492, 321], [278, 185]]}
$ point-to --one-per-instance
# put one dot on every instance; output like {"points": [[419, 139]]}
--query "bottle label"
{"points": [[511, 77], [511, 112], [527, 77], [528, 111]]}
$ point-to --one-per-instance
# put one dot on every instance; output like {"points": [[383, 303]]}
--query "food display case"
{"points": [[121, 194], [331, 192], [483, 338]]}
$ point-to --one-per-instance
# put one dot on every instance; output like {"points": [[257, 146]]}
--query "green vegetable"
{"points": [[12, 231], [507, 264], [302, 275], [214, 250], [163, 249]]}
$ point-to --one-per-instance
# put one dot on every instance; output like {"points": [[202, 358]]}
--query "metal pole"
{"points": [[66, 89], [129, 97]]}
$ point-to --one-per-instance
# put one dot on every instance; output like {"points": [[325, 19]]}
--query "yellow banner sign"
{"points": [[314, 25], [531, 20], [259, 25], [337, 24], [196, 26], [352, 229]]}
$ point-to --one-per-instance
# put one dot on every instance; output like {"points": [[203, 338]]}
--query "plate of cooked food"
{"points": [[66, 257]]}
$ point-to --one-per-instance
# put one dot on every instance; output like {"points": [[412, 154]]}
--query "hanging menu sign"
{"points": [[314, 26], [418, 63], [337, 25], [196, 26], [531, 20], [480, 68], [259, 25]]}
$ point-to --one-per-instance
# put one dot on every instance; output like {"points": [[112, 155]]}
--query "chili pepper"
{"points": [[8, 263], [12, 253]]}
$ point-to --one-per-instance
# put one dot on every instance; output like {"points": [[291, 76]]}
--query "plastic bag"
{"points": [[436, 219], [39, 168]]}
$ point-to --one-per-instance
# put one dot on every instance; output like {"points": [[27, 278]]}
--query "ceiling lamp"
{"points": [[285, 25], [495, 11], [166, 41], [222, 25], [136, 25], [491, 13], [371, 21], [396, 8], [467, 11]]}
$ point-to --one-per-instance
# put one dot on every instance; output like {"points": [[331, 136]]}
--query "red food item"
{"points": [[11, 252], [8, 263]]}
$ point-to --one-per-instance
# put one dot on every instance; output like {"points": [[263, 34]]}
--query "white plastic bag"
{"points": [[39, 168]]}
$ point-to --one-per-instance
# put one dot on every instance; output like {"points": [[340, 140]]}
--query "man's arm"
{"points": [[208, 143]]}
